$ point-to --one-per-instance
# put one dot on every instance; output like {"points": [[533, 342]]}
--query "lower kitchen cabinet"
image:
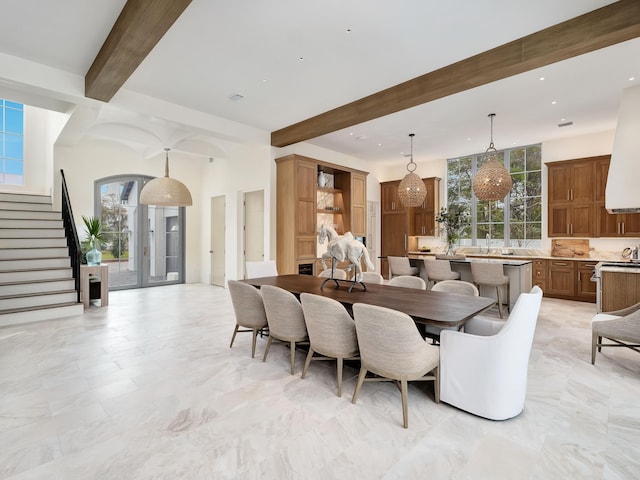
{"points": [[561, 280], [585, 288]]}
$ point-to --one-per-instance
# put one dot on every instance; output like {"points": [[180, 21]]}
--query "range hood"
{"points": [[622, 193]]}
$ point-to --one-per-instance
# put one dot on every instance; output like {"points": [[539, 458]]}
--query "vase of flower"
{"points": [[93, 230], [453, 220]]}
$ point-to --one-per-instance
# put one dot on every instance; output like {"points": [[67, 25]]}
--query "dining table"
{"points": [[440, 309]]}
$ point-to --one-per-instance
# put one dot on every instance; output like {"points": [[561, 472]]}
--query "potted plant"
{"points": [[453, 220], [93, 230]]}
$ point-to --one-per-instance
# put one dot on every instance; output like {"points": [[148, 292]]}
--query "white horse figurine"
{"points": [[343, 247]]}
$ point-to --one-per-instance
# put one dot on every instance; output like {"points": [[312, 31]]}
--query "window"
{"points": [[11, 143], [514, 222]]}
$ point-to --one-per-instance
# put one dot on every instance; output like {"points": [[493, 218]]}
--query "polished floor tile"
{"points": [[148, 388]]}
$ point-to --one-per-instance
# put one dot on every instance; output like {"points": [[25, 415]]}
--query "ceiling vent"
{"points": [[236, 97], [565, 124]]}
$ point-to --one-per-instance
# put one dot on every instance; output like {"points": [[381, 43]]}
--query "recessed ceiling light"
{"points": [[631, 79], [562, 119], [301, 59], [554, 102], [348, 30], [541, 78], [379, 144], [469, 139], [264, 80], [351, 133]]}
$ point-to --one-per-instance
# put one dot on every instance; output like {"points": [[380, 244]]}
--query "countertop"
{"points": [[528, 254]]}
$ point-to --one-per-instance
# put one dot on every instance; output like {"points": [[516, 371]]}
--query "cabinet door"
{"points": [[581, 224], [389, 197], [423, 223], [608, 224], [585, 288], [582, 181], [429, 200], [559, 183], [561, 279], [631, 225], [358, 204], [394, 234], [559, 220], [602, 171]]}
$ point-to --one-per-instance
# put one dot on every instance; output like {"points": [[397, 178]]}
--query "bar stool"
{"points": [[401, 266], [491, 275], [439, 270]]}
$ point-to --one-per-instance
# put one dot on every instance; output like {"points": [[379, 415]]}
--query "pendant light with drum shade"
{"points": [[492, 180], [166, 191], [412, 190]]}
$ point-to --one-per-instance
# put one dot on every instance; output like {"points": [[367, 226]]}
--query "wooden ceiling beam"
{"points": [[139, 27], [598, 29]]}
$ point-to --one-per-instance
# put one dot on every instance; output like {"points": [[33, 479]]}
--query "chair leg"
{"points": [[266, 350], [293, 357], [363, 373], [436, 384], [499, 300], [235, 332], [254, 335], [405, 407], [509, 297], [307, 362], [594, 342], [599, 344], [340, 377]]}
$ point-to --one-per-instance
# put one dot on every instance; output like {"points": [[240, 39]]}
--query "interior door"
{"points": [[217, 237], [254, 226]]}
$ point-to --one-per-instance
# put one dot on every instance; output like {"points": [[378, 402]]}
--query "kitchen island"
{"points": [[518, 271]]}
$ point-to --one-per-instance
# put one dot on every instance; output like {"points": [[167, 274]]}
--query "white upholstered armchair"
{"points": [[484, 370]]}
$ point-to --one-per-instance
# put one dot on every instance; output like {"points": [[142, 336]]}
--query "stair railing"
{"points": [[75, 251]]}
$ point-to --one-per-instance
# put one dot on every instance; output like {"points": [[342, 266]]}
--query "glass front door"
{"points": [[144, 244]]}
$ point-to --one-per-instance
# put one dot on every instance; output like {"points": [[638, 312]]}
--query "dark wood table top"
{"points": [[424, 306]]}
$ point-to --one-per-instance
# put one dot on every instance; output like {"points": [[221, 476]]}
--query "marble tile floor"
{"points": [[147, 388]]}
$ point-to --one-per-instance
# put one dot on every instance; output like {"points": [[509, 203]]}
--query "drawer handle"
{"points": [[560, 264]]}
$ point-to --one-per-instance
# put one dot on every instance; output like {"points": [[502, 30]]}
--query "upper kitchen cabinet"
{"points": [[611, 224], [389, 197], [302, 205], [571, 197], [423, 218]]}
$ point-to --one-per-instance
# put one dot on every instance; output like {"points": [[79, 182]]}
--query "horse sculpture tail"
{"points": [[367, 259]]}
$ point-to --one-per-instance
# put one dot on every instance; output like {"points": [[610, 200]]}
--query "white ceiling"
{"points": [[349, 49]]}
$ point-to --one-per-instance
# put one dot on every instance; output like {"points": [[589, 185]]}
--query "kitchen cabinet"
{"points": [[389, 197], [585, 288], [571, 197], [561, 278], [539, 273], [422, 221], [301, 205]]}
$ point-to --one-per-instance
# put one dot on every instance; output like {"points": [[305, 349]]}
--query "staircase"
{"points": [[36, 279]]}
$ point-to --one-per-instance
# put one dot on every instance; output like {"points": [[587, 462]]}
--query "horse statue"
{"points": [[341, 248]]}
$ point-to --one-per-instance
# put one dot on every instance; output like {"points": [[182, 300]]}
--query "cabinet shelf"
{"points": [[325, 210], [329, 190]]}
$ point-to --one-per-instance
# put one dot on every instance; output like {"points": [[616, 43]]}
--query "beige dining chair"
{"points": [[338, 273], [439, 270], [266, 268], [371, 277], [449, 286], [285, 319], [248, 307], [492, 275], [401, 266], [392, 348], [407, 281], [332, 332]]}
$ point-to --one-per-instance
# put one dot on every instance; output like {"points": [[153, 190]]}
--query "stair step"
{"points": [[43, 312], [30, 223], [42, 242], [24, 197], [34, 263], [10, 302], [25, 206], [32, 232], [30, 214], [24, 275], [36, 286], [33, 252]]}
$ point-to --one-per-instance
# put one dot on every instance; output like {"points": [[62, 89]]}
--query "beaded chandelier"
{"points": [[492, 180], [411, 190]]}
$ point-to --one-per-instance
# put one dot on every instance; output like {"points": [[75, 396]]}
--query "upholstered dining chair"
{"points": [[285, 319], [338, 273], [483, 370], [249, 310], [408, 281], [439, 270], [332, 332], [266, 268], [491, 275], [450, 286], [401, 266], [392, 348], [371, 277], [622, 327]]}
